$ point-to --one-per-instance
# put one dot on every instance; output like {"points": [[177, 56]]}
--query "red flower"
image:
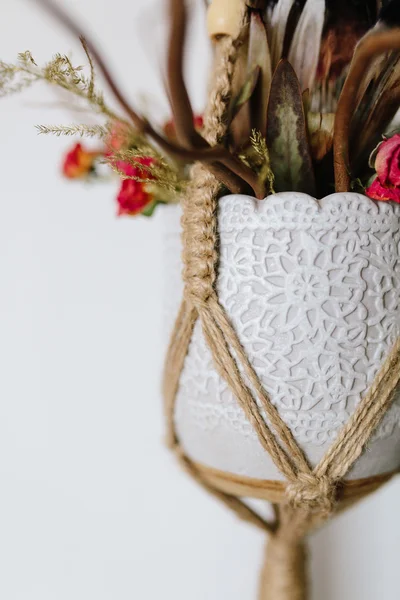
{"points": [[386, 186], [79, 162], [170, 131], [198, 122], [133, 197]]}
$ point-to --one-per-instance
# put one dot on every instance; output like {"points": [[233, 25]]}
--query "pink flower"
{"points": [[133, 197], [387, 162], [386, 186], [117, 138], [377, 191], [79, 162]]}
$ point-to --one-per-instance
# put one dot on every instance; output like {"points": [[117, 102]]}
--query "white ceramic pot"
{"points": [[312, 289]]}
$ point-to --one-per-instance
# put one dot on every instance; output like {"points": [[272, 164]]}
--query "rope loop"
{"points": [[312, 492]]}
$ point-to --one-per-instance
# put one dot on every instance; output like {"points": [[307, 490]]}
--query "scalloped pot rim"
{"points": [[321, 203]]}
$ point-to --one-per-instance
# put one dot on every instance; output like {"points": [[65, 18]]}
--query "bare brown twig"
{"points": [[180, 102], [91, 65], [182, 111], [370, 46]]}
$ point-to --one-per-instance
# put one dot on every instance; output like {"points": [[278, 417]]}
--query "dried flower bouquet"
{"points": [[284, 362], [300, 82]]}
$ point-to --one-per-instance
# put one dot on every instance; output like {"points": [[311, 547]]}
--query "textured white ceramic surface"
{"points": [[312, 289]]}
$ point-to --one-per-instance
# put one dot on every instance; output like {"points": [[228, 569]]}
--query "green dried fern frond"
{"points": [[82, 130], [14, 80], [61, 72], [26, 58], [259, 145], [261, 155]]}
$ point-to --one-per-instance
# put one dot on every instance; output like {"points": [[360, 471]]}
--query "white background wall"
{"points": [[91, 504]]}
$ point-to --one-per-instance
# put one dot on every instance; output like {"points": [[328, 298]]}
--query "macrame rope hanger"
{"points": [[311, 495]]}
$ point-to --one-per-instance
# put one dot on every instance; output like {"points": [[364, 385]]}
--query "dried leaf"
{"points": [[276, 29], [357, 186], [373, 155], [377, 66], [245, 93], [291, 25], [320, 130], [377, 109], [259, 56], [385, 40], [306, 43], [306, 96], [286, 134], [239, 120], [149, 209]]}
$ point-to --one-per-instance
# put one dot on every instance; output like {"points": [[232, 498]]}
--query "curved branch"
{"points": [[235, 173], [179, 98], [371, 45]]}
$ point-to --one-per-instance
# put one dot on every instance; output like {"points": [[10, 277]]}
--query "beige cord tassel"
{"points": [[284, 575]]}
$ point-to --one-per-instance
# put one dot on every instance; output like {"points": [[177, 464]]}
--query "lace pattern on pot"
{"points": [[312, 290]]}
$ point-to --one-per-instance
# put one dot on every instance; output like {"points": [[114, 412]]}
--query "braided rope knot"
{"points": [[199, 236], [198, 273], [315, 493], [197, 292]]}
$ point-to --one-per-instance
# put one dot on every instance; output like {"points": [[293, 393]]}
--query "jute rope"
{"points": [[311, 494]]}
